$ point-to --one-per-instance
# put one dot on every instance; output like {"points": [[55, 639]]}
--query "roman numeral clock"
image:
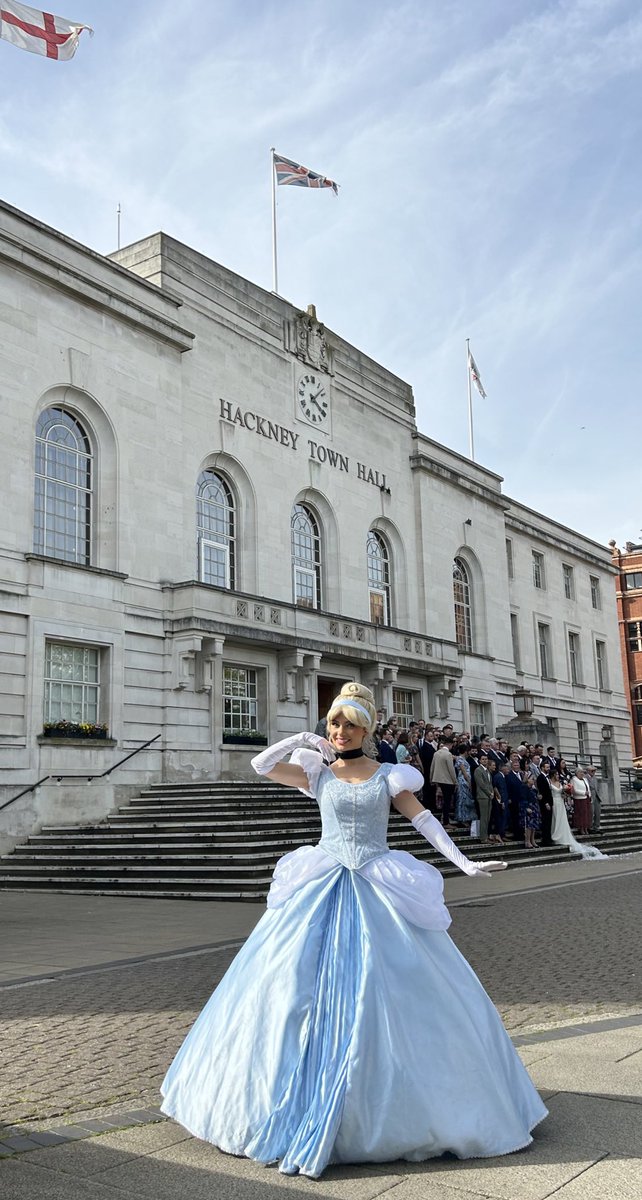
{"points": [[313, 400]]}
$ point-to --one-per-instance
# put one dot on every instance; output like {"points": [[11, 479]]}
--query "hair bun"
{"points": [[358, 691]]}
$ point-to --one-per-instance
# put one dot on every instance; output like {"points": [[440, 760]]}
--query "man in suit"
{"points": [[551, 756], [427, 747], [442, 773], [484, 795], [385, 749], [545, 801], [514, 787], [596, 799]]}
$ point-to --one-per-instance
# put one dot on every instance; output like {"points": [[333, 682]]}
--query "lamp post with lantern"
{"points": [[609, 782]]}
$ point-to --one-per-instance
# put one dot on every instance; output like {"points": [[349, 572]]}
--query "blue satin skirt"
{"points": [[342, 1033]]}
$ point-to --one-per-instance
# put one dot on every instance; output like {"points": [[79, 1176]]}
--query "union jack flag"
{"points": [[291, 172]]}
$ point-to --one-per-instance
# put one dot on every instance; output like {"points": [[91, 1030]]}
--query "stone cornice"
{"points": [[554, 535], [439, 470], [103, 295]]}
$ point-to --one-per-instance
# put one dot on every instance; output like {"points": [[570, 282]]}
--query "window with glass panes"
{"points": [[463, 606], [403, 703], [600, 666], [514, 633], [634, 634], [596, 599], [480, 714], [72, 683], [538, 569], [574, 657], [633, 580], [306, 557], [544, 648], [568, 581], [509, 558], [582, 739], [378, 579], [637, 703], [216, 530], [240, 699], [62, 511]]}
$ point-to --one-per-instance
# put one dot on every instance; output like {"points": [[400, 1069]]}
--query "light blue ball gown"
{"points": [[349, 1028]]}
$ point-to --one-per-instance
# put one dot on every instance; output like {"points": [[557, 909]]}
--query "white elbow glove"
{"points": [[428, 826], [265, 762]]}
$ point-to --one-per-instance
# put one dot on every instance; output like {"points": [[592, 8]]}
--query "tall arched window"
{"points": [[216, 517], [62, 526], [378, 579], [306, 557], [463, 606]]}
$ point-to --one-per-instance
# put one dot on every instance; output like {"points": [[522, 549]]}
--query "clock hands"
{"points": [[313, 400]]}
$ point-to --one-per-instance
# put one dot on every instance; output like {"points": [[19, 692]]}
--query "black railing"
{"points": [[90, 778]]}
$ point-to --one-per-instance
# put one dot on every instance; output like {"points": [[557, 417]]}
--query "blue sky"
{"points": [[489, 160]]}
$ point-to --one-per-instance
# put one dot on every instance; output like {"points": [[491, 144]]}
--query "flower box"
{"points": [[244, 739], [68, 730]]}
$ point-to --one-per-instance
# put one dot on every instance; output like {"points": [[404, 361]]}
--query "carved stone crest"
{"points": [[306, 337]]}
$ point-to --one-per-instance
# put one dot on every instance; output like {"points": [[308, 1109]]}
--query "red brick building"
{"points": [[628, 583]]}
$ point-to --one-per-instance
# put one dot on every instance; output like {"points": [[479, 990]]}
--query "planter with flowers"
{"points": [[74, 729], [244, 737]]}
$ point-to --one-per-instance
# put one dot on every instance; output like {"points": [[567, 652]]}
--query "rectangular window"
{"points": [[240, 700], [600, 666], [215, 563], [538, 570], [404, 703], [582, 739], [378, 607], [632, 580], [544, 647], [72, 683], [480, 713], [634, 634], [514, 632], [305, 587], [509, 558], [596, 598], [637, 713], [575, 664], [568, 581]]}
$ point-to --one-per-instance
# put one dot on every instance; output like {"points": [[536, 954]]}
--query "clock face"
{"points": [[313, 399]]}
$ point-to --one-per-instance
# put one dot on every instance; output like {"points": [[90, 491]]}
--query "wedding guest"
{"points": [[581, 801], [530, 814]]}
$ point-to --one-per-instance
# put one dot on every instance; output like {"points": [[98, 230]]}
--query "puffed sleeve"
{"points": [[404, 779], [311, 761]]}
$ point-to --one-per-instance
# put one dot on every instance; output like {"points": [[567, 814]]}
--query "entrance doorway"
{"points": [[327, 689]]}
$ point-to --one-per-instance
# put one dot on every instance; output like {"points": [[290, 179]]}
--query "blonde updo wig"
{"points": [[361, 711]]}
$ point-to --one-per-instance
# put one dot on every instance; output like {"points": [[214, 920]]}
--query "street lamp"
{"points": [[607, 733], [523, 702]]}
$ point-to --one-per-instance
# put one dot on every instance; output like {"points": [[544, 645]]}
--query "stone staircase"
{"points": [[220, 841]]}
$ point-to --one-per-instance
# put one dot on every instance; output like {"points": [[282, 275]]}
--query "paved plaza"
{"points": [[96, 994]]}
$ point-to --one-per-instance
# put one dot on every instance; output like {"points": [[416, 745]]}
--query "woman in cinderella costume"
{"points": [[349, 1028]]}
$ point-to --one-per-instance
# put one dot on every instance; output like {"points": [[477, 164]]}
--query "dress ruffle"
{"points": [[413, 888]]}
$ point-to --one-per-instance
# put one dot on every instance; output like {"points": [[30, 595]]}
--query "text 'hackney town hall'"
{"points": [[216, 511]]}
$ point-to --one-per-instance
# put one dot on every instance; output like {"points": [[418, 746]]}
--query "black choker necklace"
{"points": [[349, 753]]}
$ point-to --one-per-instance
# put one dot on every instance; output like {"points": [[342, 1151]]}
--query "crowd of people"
{"points": [[527, 794]]}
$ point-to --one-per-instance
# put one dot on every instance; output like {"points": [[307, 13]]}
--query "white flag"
{"points": [[474, 375], [40, 32]]}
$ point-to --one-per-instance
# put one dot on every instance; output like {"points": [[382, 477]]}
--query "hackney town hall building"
{"points": [[216, 510]]}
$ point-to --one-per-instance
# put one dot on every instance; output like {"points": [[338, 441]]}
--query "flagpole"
{"points": [[275, 274], [470, 403]]}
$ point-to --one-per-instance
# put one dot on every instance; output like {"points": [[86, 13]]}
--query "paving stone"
{"points": [[24, 1181], [207, 1174], [97, 1154], [611, 1179]]}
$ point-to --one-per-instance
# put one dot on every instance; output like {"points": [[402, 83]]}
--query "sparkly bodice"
{"points": [[354, 816]]}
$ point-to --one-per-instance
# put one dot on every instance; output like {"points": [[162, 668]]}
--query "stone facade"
{"points": [[176, 370], [628, 590]]}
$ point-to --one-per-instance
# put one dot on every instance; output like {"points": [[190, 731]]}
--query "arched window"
{"points": [[463, 606], [378, 579], [216, 517], [62, 526], [306, 557]]}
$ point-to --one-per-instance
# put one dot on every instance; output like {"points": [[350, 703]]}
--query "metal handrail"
{"points": [[89, 778]]}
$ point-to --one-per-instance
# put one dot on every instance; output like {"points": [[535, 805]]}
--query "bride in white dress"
{"points": [[560, 828]]}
